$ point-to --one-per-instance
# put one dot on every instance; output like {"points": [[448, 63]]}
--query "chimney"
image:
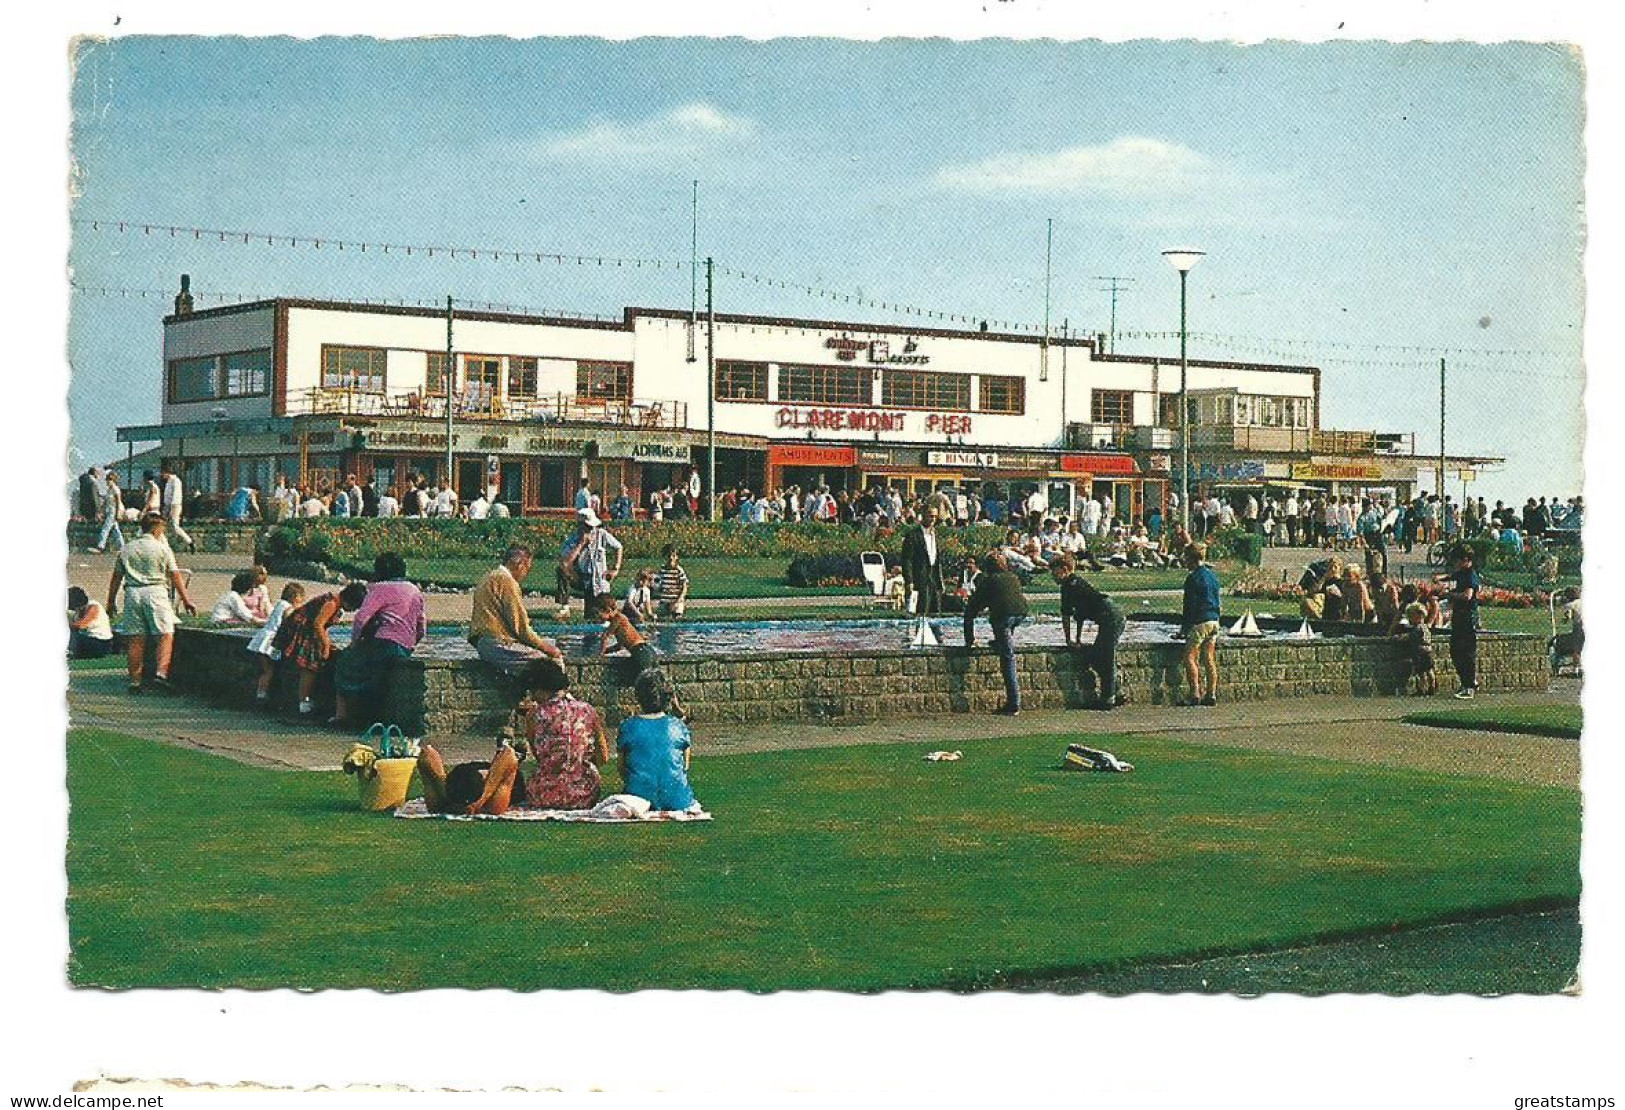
{"points": [[183, 299]]}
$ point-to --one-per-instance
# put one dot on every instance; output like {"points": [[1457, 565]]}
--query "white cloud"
{"points": [[1127, 166], [681, 132]]}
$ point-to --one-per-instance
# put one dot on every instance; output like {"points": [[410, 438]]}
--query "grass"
{"points": [[1533, 953], [860, 868], [1535, 622], [1562, 721]]}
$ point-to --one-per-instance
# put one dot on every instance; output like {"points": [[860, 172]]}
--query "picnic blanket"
{"points": [[617, 809]]}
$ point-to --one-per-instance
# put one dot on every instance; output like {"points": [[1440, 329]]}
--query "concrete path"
{"points": [[1359, 730]]}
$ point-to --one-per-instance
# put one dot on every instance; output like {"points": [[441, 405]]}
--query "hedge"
{"points": [[325, 540]]}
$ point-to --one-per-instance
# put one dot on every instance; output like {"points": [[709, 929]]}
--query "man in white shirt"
{"points": [[479, 508], [389, 505], [447, 501], [313, 506], [499, 510], [1091, 516], [172, 497], [1290, 514], [657, 504]]}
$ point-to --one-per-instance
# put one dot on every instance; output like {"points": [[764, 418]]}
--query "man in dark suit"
{"points": [[922, 564]]}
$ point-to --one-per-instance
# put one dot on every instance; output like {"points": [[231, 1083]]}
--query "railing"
{"points": [[478, 404], [1344, 443]]}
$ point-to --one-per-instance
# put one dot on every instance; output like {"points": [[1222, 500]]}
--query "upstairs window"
{"points": [[435, 376], [521, 377], [826, 385], [923, 389], [357, 368], [1001, 394], [604, 381], [192, 379], [741, 381], [1111, 406], [247, 374]]}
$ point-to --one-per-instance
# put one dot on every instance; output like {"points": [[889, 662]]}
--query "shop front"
{"points": [[1114, 480], [812, 465]]}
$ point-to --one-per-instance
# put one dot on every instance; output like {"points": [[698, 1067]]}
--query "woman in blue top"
{"points": [[655, 748]]}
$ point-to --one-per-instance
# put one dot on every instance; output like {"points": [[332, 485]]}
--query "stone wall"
{"points": [[433, 696]]}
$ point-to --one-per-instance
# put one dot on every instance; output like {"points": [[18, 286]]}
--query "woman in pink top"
{"points": [[389, 624]]}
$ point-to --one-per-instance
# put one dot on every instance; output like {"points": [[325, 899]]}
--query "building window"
{"points": [[521, 377], [482, 377], [741, 381], [923, 389], [603, 381], [435, 377], [1112, 406], [1267, 412], [191, 379], [826, 385], [1223, 411], [1299, 409], [247, 374], [358, 368], [1002, 394], [1246, 414]]}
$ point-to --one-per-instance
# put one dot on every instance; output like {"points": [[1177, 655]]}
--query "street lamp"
{"points": [[1183, 260]]}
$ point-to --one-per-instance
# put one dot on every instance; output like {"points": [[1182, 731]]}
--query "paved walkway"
{"points": [[1360, 730]]}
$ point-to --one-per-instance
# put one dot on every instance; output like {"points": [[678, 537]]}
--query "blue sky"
{"points": [[1354, 198]]}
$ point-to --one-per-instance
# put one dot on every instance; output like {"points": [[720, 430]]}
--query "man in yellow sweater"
{"points": [[500, 628]]}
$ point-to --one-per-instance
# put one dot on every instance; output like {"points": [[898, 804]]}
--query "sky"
{"points": [[1365, 207]]}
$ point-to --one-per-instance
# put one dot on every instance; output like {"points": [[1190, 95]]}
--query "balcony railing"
{"points": [[478, 404]]}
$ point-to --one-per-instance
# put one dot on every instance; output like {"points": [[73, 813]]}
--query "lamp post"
{"points": [[1183, 260]]}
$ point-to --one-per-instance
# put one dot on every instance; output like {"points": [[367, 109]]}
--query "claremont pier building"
{"points": [[317, 390]]}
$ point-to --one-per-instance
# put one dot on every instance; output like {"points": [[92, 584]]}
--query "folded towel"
{"points": [[617, 809]]}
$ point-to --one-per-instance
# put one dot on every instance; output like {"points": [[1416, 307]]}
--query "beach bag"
{"points": [[1080, 757], [382, 780]]}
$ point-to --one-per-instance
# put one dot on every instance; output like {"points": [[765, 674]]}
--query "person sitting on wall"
{"points": [[499, 628], [90, 633]]}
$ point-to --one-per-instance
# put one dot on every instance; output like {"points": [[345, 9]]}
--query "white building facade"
{"points": [[321, 390]]}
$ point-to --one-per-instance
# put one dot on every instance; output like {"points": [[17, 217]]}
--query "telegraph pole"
{"points": [[693, 268], [450, 379], [1049, 249], [1439, 489], [1118, 285], [710, 393]]}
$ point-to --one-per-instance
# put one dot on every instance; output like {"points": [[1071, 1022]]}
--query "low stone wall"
{"points": [[437, 696], [218, 536]]}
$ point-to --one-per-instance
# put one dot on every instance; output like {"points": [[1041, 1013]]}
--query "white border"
{"points": [[1139, 1051]]}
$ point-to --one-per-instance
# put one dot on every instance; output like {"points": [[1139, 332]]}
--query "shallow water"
{"points": [[803, 637]]}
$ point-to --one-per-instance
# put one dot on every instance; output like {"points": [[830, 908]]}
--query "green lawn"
{"points": [[860, 868], [1532, 953], [1536, 622], [1536, 720]]}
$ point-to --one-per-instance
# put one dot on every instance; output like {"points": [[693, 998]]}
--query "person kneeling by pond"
{"points": [[1080, 602], [998, 591], [655, 748], [620, 632]]}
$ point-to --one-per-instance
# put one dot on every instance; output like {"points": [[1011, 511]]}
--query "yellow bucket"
{"points": [[388, 788]]}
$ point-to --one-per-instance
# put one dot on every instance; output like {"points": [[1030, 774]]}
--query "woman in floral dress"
{"points": [[567, 742]]}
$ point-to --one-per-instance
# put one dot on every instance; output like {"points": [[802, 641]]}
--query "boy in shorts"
{"points": [[1201, 627]]}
